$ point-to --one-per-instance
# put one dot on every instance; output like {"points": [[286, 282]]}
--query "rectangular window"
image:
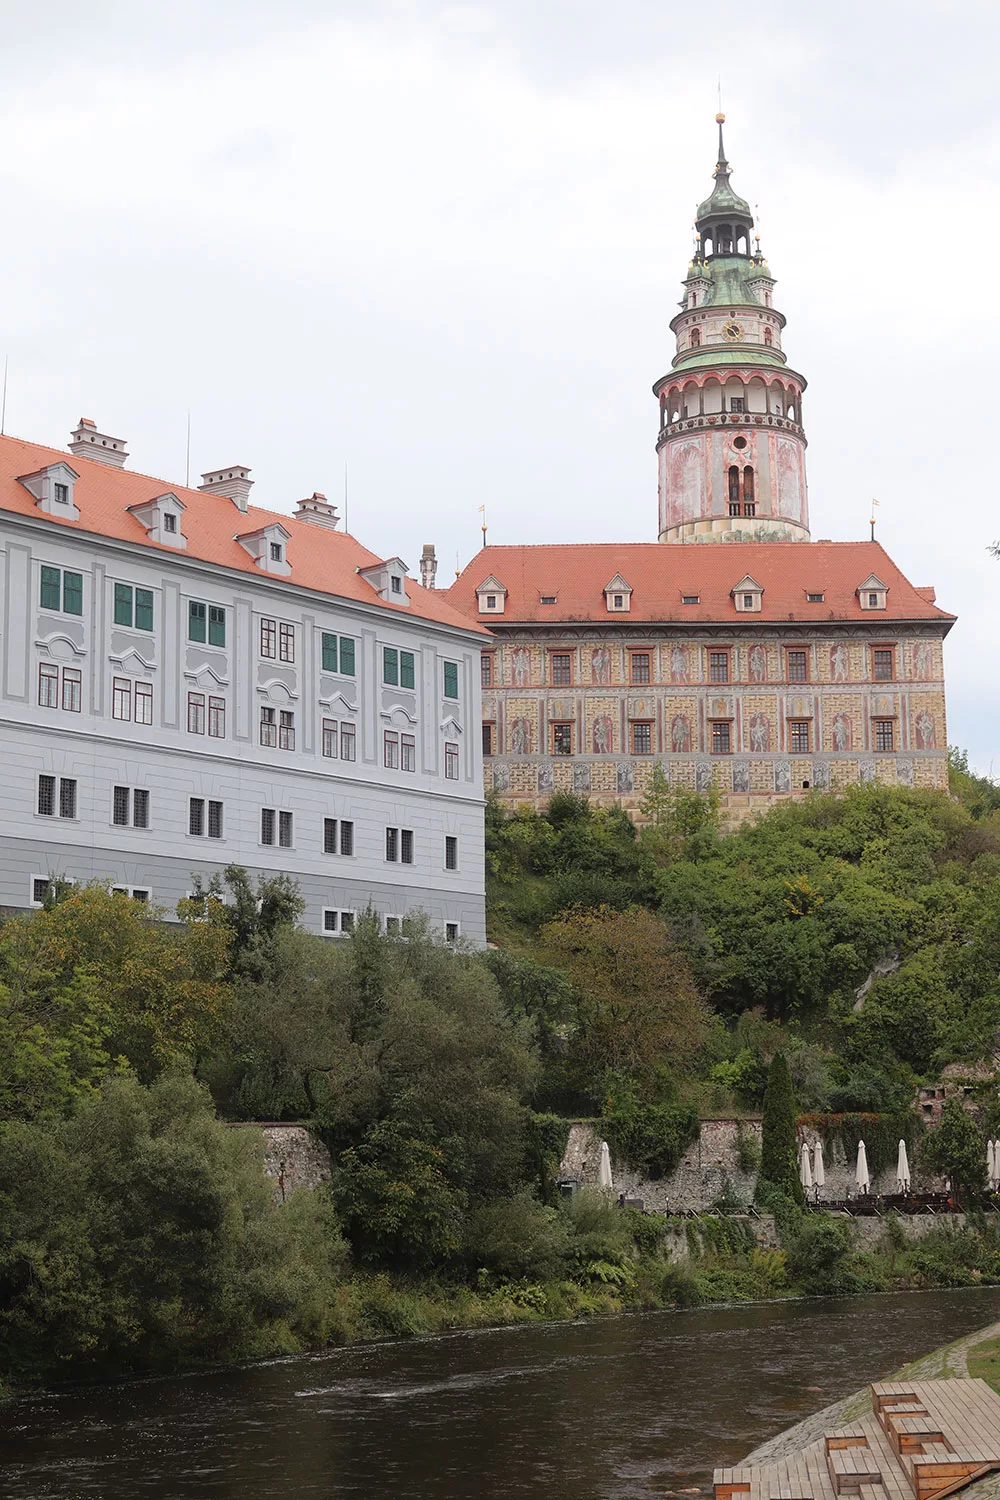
{"points": [[286, 729], [72, 689], [338, 838], [346, 836], [883, 734], [330, 738], [406, 846], [197, 615], [873, 601], [47, 796], [196, 817], [196, 713], [267, 825], [883, 664], [144, 609], [562, 739], [486, 669], [216, 625], [61, 492], [285, 830], [119, 813], [139, 895], [215, 820], [73, 593], [48, 686], [798, 737], [140, 808], [61, 590], [451, 932], [169, 521], [392, 845], [721, 737], [451, 762], [268, 637], [562, 673], [347, 655], [329, 652], [450, 852], [642, 739], [347, 922], [640, 667], [41, 888], [407, 752], [736, 403], [121, 698], [690, 598], [451, 679], [718, 666], [143, 703], [286, 642], [217, 718], [488, 731], [67, 797], [123, 604], [330, 922], [748, 601], [393, 925], [275, 551], [815, 598], [390, 750], [268, 727], [390, 666], [407, 675], [798, 666], [348, 742], [51, 588], [329, 835]]}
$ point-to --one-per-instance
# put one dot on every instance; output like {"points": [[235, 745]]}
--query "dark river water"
{"points": [[612, 1410]]}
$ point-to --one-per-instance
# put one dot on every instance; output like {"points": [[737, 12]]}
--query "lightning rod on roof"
{"points": [[187, 456], [3, 404], [345, 494]]}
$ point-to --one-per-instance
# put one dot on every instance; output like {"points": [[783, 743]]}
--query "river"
{"points": [[616, 1409]]}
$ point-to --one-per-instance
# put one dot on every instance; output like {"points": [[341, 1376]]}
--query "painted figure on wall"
{"points": [[839, 662], [841, 732], [923, 660], [679, 669], [758, 663], [760, 733], [603, 735], [680, 734], [521, 667], [924, 725], [602, 665], [520, 737]]}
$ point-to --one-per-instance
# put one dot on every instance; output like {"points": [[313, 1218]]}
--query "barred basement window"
{"points": [[285, 830], [215, 820], [450, 852], [140, 808], [346, 837], [268, 822], [451, 932], [67, 797], [329, 835], [47, 796], [196, 817], [392, 845], [406, 846], [119, 813]]}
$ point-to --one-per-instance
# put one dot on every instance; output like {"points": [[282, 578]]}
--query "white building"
{"points": [[189, 682]]}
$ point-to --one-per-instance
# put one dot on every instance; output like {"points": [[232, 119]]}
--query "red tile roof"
{"points": [[319, 557], [660, 573]]}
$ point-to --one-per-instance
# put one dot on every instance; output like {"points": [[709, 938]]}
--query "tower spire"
{"points": [[722, 166]]}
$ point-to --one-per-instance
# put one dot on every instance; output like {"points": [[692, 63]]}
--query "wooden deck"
{"points": [[924, 1439]]}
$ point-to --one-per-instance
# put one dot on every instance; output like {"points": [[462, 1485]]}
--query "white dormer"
{"points": [[388, 579], [747, 596], [53, 489], [162, 518], [618, 596], [872, 593], [267, 547], [491, 595]]}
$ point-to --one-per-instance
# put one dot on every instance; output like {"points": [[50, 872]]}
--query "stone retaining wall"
{"points": [[292, 1157]]}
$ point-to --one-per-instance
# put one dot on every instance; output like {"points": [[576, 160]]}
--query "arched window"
{"points": [[696, 338], [734, 491], [749, 507], [768, 337]]}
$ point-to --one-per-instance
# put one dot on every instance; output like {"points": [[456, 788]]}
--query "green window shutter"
{"points": [[123, 604], [196, 621], [347, 655], [390, 665], [144, 609], [406, 669], [216, 625], [329, 652], [51, 595], [451, 679], [73, 593]]}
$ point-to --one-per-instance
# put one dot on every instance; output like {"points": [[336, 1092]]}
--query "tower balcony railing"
{"points": [[707, 419]]}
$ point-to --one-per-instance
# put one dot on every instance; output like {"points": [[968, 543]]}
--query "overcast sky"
{"points": [[443, 243]]}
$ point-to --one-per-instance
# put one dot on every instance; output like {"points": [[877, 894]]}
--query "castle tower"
{"points": [[731, 447]]}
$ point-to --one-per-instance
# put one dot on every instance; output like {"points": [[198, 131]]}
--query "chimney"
{"points": [[318, 511], [428, 565], [86, 442], [235, 483]]}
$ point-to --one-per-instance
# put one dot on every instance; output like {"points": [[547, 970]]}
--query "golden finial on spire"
{"points": [[720, 118]]}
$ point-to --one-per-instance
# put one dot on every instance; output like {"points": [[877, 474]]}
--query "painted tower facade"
{"points": [[731, 445]]}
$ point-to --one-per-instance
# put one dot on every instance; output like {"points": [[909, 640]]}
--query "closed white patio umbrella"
{"points": [[805, 1171], [604, 1178], [903, 1169], [991, 1163], [819, 1175], [861, 1176]]}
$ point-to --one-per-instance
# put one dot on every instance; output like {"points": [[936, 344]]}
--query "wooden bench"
{"points": [[909, 1434], [850, 1468]]}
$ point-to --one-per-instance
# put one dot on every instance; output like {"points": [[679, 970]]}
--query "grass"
{"points": [[984, 1362]]}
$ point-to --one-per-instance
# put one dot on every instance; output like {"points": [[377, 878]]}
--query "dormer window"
{"points": [[619, 601], [872, 593], [396, 583], [276, 552], [52, 488], [690, 598], [748, 601], [161, 519], [388, 579], [170, 522], [490, 596], [548, 599], [618, 595], [491, 601], [748, 595], [61, 492], [873, 600], [266, 546]]}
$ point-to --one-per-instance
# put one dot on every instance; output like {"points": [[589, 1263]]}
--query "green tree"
{"points": [[779, 1146], [957, 1150]]}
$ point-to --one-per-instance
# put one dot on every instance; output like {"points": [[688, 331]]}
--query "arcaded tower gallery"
{"points": [[757, 662]]}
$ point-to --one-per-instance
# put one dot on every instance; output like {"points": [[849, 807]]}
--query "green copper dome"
{"points": [[722, 202]]}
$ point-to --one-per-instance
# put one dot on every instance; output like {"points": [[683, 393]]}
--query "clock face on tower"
{"points": [[732, 331]]}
